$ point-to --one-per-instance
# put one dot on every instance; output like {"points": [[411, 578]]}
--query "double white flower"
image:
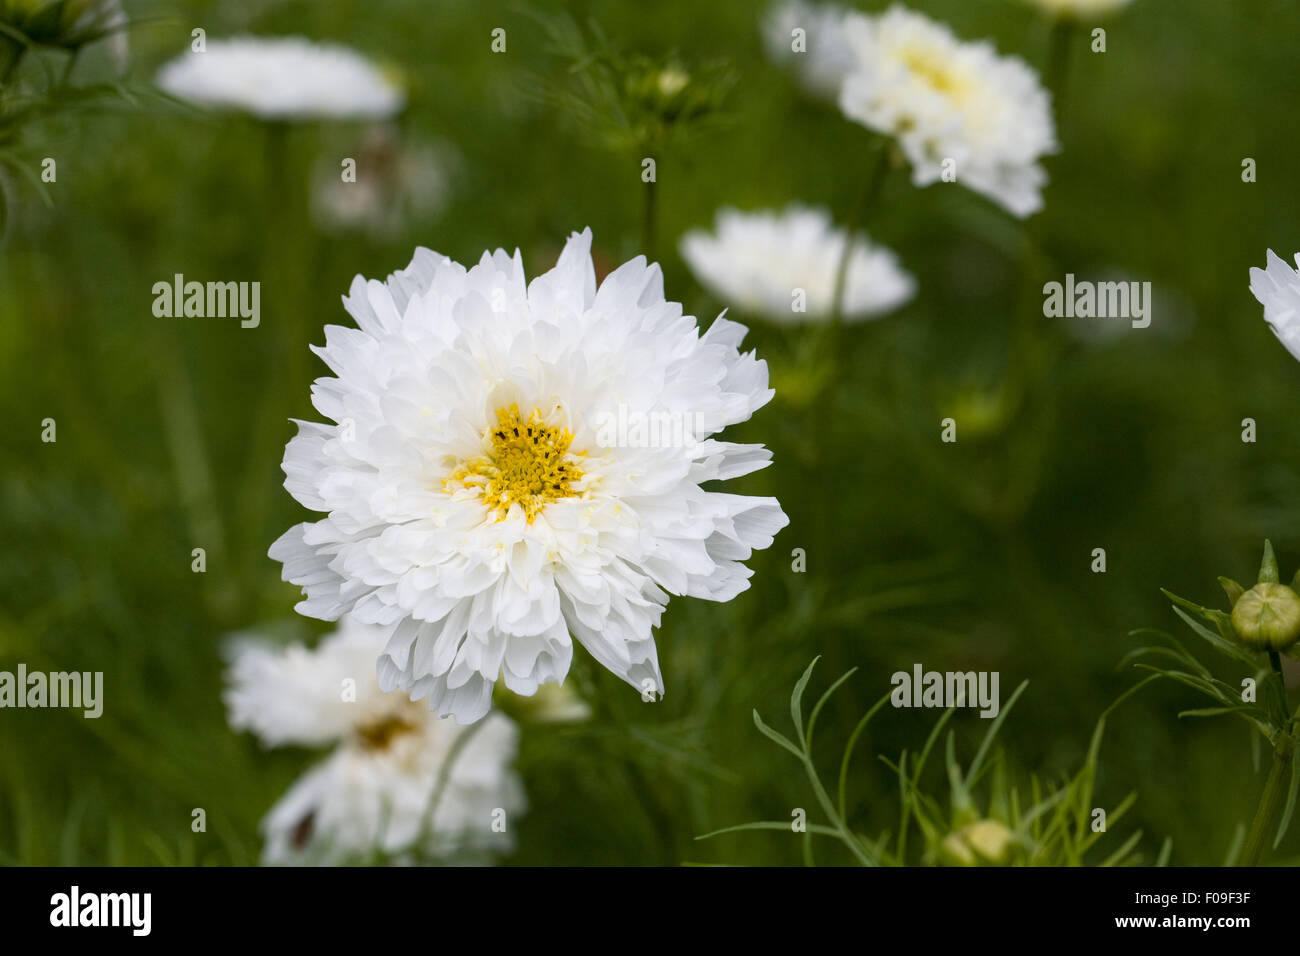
{"points": [[470, 508], [987, 117], [399, 781]]}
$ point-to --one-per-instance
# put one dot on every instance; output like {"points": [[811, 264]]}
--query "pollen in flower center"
{"points": [[528, 463]]}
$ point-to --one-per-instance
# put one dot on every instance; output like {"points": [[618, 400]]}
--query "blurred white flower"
{"points": [[396, 184], [756, 261], [1080, 8], [479, 505], [282, 78], [1277, 287], [825, 57], [943, 100], [377, 790]]}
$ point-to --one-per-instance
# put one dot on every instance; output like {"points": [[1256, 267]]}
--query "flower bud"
{"points": [[984, 841], [1267, 617]]}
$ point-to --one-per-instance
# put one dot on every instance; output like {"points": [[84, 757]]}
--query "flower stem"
{"points": [[1058, 62], [1268, 802], [870, 191], [1276, 782]]}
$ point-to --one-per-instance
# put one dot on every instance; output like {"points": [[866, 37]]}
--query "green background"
{"points": [[968, 556]]}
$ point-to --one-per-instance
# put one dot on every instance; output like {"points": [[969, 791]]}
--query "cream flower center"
{"points": [[930, 68], [527, 463]]}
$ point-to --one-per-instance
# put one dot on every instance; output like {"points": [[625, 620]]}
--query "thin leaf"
{"points": [[796, 698], [771, 734], [821, 702]]}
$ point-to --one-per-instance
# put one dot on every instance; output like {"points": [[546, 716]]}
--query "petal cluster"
{"points": [[427, 529], [1277, 287]]}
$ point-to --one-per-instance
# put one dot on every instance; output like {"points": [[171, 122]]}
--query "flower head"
{"points": [[512, 464], [759, 261], [820, 57], [377, 789], [1277, 288], [985, 117], [282, 78]]}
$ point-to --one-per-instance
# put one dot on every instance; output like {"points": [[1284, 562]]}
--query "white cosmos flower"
{"points": [[376, 789], [1080, 8], [489, 487], [1277, 287], [755, 261], [825, 58], [282, 78], [943, 99]]}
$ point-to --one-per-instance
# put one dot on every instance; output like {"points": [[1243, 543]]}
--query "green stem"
{"points": [[1278, 774], [1058, 65], [1269, 801], [870, 191]]}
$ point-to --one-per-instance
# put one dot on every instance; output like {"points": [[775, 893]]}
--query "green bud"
{"points": [[1268, 567], [1267, 617], [984, 841], [1233, 590]]}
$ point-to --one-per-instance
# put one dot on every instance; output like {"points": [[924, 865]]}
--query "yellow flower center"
{"points": [[380, 734], [528, 464], [934, 72]]}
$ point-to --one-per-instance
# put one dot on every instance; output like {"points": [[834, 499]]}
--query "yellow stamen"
{"points": [[528, 464]]}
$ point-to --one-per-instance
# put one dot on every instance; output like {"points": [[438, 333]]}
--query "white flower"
{"points": [[756, 262], [1277, 287], [824, 58], [1080, 8], [376, 790], [470, 507], [945, 100], [282, 78]]}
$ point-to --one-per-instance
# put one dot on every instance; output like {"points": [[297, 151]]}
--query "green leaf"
{"points": [[821, 702], [796, 698], [816, 828], [1166, 851], [1217, 640], [973, 772], [1119, 855], [771, 734], [1232, 589]]}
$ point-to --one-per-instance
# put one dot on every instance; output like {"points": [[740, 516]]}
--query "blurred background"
{"points": [[966, 556]]}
